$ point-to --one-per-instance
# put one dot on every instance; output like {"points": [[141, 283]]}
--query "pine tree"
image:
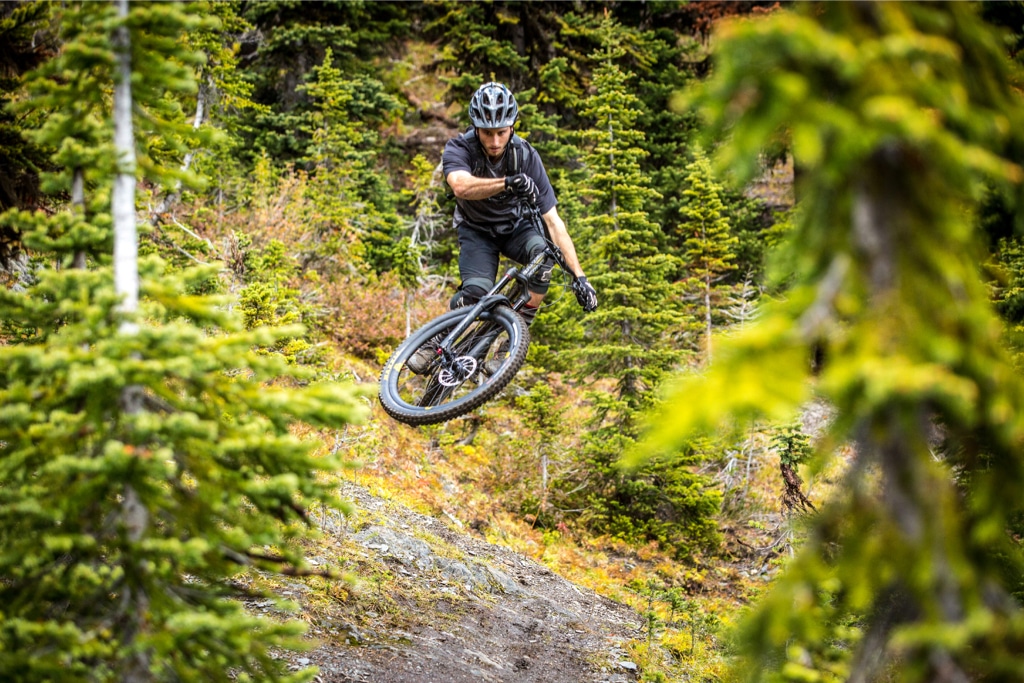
{"points": [[222, 94], [412, 253], [627, 340], [27, 40], [145, 451], [289, 41], [478, 46], [708, 246], [354, 204], [668, 132], [621, 248], [899, 116]]}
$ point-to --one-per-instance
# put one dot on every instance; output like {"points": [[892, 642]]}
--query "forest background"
{"points": [[288, 175]]}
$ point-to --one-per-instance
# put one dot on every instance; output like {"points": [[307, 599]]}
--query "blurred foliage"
{"points": [[898, 117]]}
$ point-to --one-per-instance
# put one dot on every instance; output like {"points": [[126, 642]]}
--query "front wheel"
{"points": [[477, 365]]}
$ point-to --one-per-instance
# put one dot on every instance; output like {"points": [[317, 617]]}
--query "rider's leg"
{"points": [[479, 254], [527, 245], [523, 247], [478, 266]]}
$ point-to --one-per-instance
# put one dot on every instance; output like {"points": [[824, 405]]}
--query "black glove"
{"points": [[586, 295], [522, 185]]}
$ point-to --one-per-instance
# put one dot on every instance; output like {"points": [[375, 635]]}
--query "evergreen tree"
{"points": [[352, 198], [412, 253], [899, 115], [27, 40], [627, 340], [145, 451], [1008, 292], [289, 42], [708, 246], [478, 45], [223, 93], [210, 150], [668, 131], [629, 328]]}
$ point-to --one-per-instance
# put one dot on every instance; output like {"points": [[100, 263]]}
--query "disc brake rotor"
{"points": [[461, 369]]}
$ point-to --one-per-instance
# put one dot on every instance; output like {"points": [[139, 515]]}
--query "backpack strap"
{"points": [[514, 164]]}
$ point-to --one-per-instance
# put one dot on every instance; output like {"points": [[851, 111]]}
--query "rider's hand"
{"points": [[522, 185], [585, 293]]}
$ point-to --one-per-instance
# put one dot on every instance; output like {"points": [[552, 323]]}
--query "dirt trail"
{"points": [[455, 608]]}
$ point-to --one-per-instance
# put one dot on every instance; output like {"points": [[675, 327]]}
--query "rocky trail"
{"points": [[432, 603]]}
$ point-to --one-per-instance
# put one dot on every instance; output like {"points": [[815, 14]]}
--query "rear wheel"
{"points": [[477, 365]]}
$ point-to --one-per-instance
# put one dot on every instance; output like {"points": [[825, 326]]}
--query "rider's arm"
{"points": [[560, 236], [467, 186]]}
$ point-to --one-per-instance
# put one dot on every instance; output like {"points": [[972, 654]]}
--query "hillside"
{"points": [[439, 582], [786, 398]]}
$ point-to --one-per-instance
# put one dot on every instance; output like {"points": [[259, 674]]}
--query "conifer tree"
{"points": [[899, 116], [477, 46], [1008, 294], [145, 452], [355, 207], [27, 40], [413, 252], [289, 41], [708, 245], [223, 92], [627, 340]]}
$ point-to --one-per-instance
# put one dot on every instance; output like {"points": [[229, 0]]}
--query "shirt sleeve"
{"points": [[455, 157]]}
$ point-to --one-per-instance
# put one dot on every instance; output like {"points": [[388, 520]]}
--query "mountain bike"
{"points": [[479, 349]]}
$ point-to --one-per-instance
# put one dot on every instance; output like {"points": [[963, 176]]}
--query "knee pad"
{"points": [[469, 293], [541, 280]]}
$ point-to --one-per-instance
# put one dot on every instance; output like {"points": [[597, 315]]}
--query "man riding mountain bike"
{"points": [[497, 177]]}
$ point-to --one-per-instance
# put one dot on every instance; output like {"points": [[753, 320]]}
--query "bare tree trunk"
{"points": [[613, 207], [707, 316], [200, 115], [126, 248], [78, 207], [543, 481], [134, 516], [408, 312], [204, 93]]}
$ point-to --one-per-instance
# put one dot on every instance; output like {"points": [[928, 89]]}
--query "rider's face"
{"points": [[494, 140]]}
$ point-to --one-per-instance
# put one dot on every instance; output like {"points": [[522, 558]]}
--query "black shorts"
{"points": [[480, 253]]}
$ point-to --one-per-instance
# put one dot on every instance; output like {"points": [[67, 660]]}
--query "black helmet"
{"points": [[493, 106]]}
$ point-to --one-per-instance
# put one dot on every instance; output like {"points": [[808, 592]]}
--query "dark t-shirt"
{"points": [[502, 212]]}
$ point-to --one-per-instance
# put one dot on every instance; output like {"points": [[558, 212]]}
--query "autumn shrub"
{"points": [[367, 315]]}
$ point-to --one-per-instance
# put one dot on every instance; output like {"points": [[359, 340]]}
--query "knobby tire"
{"points": [[437, 396]]}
